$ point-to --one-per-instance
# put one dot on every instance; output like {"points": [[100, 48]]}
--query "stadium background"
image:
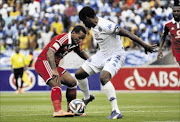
{"points": [[37, 21]]}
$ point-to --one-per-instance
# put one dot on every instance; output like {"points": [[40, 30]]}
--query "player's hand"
{"points": [[160, 55], [150, 48]]}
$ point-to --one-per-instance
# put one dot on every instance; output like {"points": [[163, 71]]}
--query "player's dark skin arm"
{"points": [[51, 60], [83, 55], [163, 37], [148, 48]]}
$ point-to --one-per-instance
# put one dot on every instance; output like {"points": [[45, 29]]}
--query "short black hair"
{"points": [[176, 3], [79, 28], [86, 12]]}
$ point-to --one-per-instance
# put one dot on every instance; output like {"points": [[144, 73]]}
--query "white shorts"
{"points": [[99, 61]]}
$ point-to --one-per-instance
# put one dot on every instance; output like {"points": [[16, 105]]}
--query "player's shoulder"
{"points": [[60, 35], [170, 22], [62, 38], [103, 21], [106, 25]]}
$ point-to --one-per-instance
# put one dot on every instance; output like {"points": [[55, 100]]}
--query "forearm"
{"points": [[51, 59], [162, 42], [133, 37], [83, 55]]}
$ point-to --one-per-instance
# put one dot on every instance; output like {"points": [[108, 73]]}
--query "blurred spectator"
{"points": [[155, 36], [33, 7], [3, 10], [144, 33], [9, 37], [79, 5], [127, 42], [14, 13], [130, 2], [158, 23], [70, 9], [1, 21], [2, 38], [27, 14], [23, 41], [45, 37], [57, 25], [8, 19], [32, 37], [11, 2], [104, 6], [66, 22], [74, 17], [29, 59], [88, 41], [59, 7]]}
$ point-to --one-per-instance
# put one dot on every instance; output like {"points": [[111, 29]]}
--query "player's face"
{"points": [[17, 49], [78, 37], [88, 23], [176, 13]]}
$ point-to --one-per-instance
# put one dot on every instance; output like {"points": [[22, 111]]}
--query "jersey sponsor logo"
{"points": [[178, 34], [162, 79], [172, 28], [96, 35], [26, 87]]}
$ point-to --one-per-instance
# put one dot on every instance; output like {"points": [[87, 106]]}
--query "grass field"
{"points": [[135, 107]]}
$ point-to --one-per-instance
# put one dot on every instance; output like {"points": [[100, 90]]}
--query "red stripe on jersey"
{"points": [[62, 39], [59, 39]]}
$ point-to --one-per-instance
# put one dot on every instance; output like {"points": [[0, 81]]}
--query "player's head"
{"points": [[86, 15], [78, 34], [17, 49], [176, 12]]}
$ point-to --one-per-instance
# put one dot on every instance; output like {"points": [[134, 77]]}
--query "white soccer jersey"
{"points": [[105, 35]]}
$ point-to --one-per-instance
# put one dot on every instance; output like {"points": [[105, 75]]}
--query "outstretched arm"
{"points": [[148, 48]]}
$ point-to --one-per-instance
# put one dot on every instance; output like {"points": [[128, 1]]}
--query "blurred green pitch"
{"points": [[135, 107]]}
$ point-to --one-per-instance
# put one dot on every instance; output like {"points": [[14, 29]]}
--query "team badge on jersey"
{"points": [[109, 26], [96, 35]]}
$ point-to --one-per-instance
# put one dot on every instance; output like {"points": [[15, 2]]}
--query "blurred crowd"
{"points": [[31, 24]]}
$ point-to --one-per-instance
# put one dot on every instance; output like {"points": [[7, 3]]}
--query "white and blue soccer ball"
{"points": [[77, 106]]}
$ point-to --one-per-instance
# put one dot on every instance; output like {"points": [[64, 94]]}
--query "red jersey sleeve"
{"points": [[58, 42]]}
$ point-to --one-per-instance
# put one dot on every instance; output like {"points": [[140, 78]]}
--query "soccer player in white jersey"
{"points": [[108, 60]]}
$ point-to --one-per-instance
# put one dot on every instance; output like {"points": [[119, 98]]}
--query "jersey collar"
{"points": [[173, 21], [69, 38], [177, 23]]}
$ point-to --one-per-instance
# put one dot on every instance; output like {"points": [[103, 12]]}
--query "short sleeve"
{"points": [[55, 46], [166, 29]]}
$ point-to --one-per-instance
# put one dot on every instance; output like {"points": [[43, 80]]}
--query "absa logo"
{"points": [[163, 79]]}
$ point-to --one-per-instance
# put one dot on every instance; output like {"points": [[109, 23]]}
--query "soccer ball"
{"points": [[77, 106]]}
